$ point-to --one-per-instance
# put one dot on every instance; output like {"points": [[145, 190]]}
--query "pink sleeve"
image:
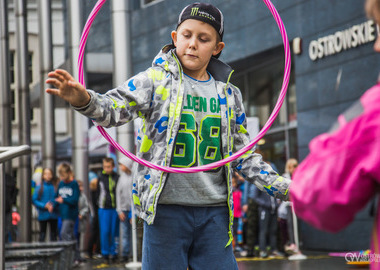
{"points": [[339, 176]]}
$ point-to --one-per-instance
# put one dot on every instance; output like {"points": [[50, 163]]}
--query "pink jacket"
{"points": [[342, 171], [237, 194]]}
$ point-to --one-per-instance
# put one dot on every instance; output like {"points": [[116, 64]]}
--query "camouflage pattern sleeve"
{"points": [[251, 165], [120, 105]]}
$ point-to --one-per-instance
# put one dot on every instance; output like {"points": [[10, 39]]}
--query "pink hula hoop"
{"points": [[219, 163]]}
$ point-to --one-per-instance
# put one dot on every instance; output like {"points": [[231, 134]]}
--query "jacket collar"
{"points": [[218, 69]]}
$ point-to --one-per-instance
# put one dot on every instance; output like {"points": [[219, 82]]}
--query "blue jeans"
{"points": [[67, 234], [126, 235], [108, 225], [267, 229], [184, 237]]}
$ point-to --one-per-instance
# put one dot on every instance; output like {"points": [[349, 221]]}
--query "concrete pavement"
{"points": [[314, 261]]}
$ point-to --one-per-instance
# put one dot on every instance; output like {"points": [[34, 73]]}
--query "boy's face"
{"points": [[196, 42], [108, 167], [64, 176]]}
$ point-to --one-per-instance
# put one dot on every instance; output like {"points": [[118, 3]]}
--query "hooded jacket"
{"points": [[156, 95]]}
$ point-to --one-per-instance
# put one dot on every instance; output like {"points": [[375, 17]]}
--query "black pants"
{"points": [[53, 223]]}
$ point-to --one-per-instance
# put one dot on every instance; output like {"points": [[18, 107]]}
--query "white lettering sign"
{"points": [[342, 40]]}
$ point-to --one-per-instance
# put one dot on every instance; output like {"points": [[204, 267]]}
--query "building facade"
{"points": [[333, 63]]}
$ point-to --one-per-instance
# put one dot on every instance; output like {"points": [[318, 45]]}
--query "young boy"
{"points": [[192, 116], [108, 220]]}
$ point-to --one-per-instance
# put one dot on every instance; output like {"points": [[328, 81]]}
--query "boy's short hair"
{"points": [[64, 168], [109, 160]]}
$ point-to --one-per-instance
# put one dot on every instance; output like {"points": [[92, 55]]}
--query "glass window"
{"points": [[273, 149], [148, 2], [14, 94], [12, 67], [30, 67], [260, 85]]}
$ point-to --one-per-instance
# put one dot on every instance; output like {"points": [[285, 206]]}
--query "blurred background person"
{"points": [[15, 220], [11, 192], [267, 223], [108, 219], [43, 199], [237, 226], [83, 217], [124, 204], [94, 241], [285, 214]]}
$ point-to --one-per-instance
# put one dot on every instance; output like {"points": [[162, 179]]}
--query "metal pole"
{"points": [[9, 153], [47, 101], [80, 122], [122, 59], [2, 216], [5, 100], [24, 119]]}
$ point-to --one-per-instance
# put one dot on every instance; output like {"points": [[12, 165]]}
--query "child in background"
{"points": [[237, 195], [83, 217], [15, 220], [108, 219], [285, 214], [44, 199], [67, 200], [94, 242]]}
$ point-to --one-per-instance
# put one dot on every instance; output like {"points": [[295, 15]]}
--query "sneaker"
{"points": [[291, 249], [276, 253], [76, 263], [124, 259], [256, 252], [97, 256], [244, 253], [263, 254]]}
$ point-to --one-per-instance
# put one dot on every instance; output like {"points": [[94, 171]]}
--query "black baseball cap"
{"points": [[206, 13]]}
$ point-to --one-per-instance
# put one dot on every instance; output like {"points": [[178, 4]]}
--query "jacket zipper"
{"points": [[171, 128]]}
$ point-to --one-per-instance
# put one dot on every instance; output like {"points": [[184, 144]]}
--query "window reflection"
{"points": [[260, 86]]}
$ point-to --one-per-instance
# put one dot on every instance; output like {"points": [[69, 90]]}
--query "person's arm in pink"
{"points": [[340, 175]]}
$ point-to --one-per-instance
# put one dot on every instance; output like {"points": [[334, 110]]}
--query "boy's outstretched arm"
{"points": [[67, 88]]}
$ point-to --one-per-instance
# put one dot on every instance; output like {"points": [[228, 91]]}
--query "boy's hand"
{"points": [[122, 216], [67, 88], [59, 199]]}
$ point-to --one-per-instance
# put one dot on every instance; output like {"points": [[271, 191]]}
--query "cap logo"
{"points": [[194, 11]]}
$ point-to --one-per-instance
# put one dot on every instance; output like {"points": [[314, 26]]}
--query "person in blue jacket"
{"points": [[43, 198], [67, 199]]}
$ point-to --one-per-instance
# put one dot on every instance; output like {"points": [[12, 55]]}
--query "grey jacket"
{"points": [[124, 193]]}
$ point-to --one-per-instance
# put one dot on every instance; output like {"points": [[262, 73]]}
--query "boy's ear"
{"points": [[219, 47], [174, 37]]}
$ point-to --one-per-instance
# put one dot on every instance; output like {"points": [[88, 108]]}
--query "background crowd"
{"points": [[65, 213], [263, 226]]}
